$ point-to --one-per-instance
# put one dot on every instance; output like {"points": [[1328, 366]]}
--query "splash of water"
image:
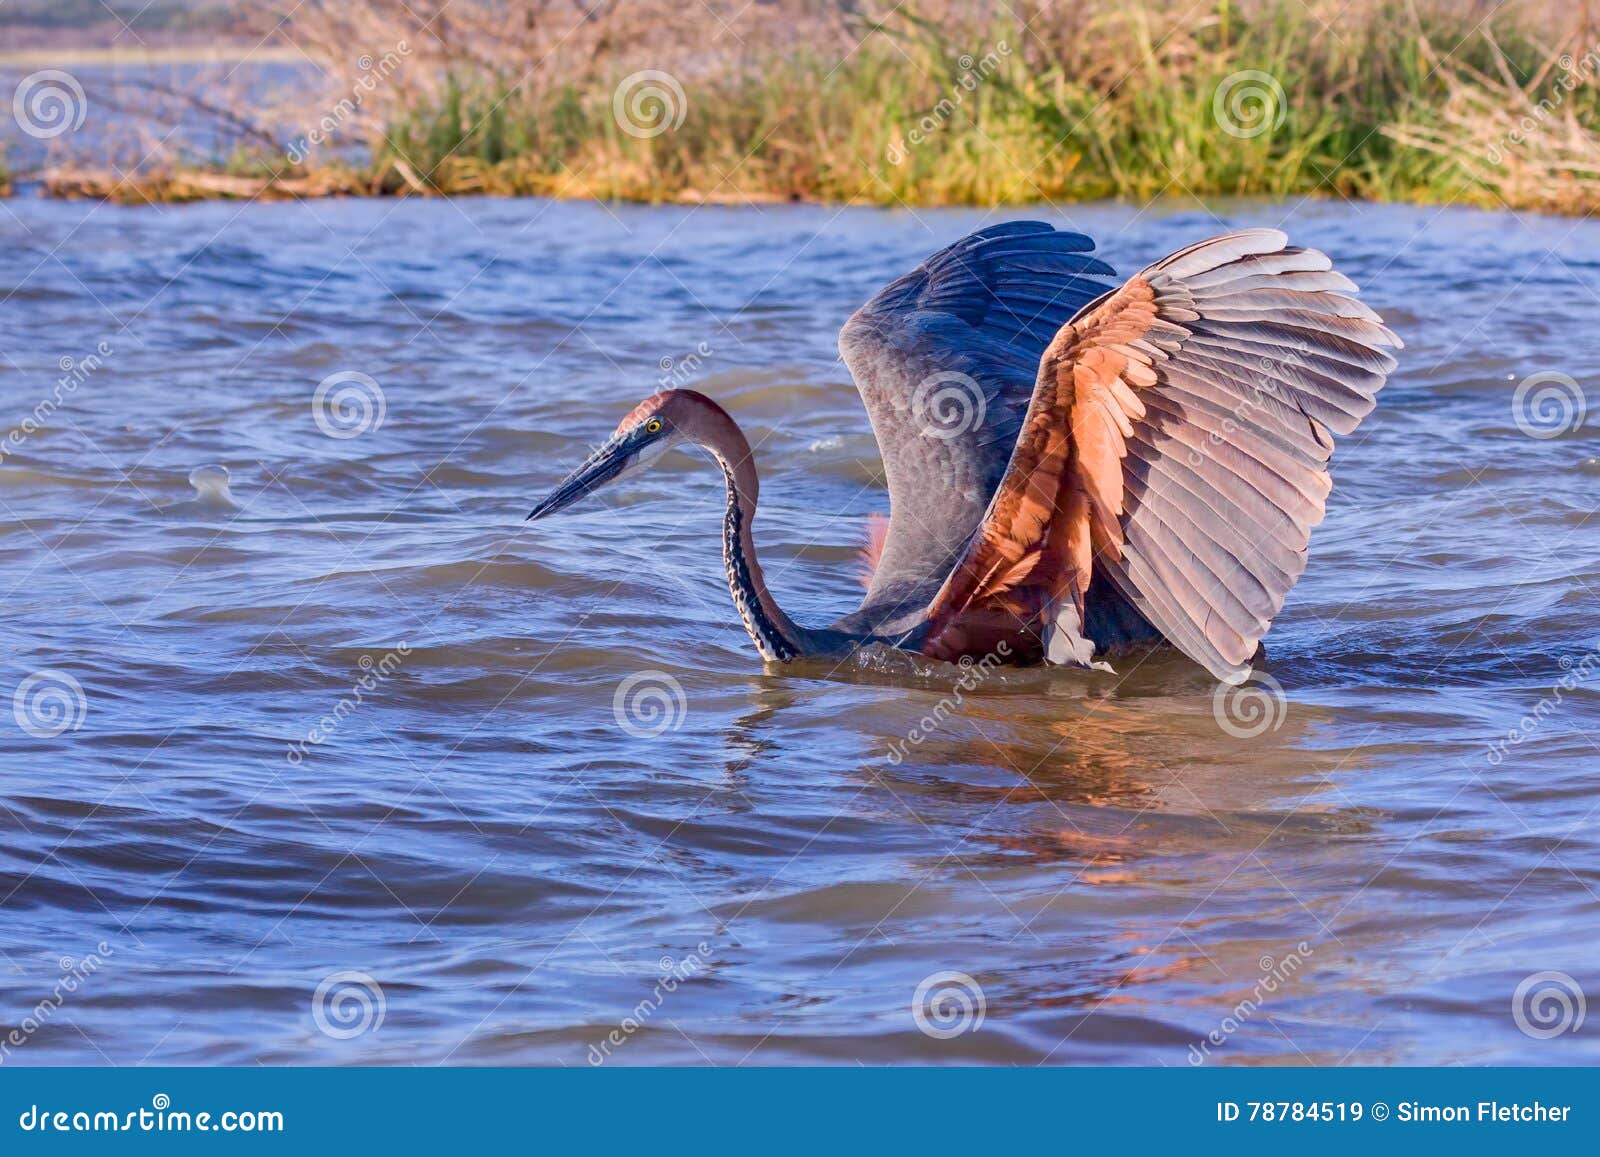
{"points": [[211, 485]]}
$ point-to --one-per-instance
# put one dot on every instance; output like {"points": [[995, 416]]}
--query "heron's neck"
{"points": [[775, 635]]}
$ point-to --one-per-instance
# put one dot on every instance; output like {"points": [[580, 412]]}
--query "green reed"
{"points": [[1123, 99]]}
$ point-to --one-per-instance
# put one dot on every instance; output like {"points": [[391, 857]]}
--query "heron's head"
{"points": [[653, 427]]}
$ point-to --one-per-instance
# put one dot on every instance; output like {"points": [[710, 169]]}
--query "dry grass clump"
{"points": [[1520, 140]]}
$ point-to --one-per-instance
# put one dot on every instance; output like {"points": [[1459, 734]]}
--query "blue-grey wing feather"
{"points": [[984, 308]]}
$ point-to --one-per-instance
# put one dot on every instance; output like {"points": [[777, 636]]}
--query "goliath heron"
{"points": [[1144, 463]]}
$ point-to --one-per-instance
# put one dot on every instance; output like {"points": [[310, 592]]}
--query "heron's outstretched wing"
{"points": [[945, 360], [1177, 443]]}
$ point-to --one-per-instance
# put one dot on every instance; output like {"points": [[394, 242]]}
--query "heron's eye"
{"points": [[653, 426]]}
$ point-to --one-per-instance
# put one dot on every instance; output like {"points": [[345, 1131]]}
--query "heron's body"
{"points": [[1071, 467]]}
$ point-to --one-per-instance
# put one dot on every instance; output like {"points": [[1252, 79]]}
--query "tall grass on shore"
{"points": [[969, 101]]}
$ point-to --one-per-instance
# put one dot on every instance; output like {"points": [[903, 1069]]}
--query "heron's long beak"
{"points": [[601, 467]]}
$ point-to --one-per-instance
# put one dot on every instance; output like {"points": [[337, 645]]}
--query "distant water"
{"points": [[355, 766], [136, 114]]}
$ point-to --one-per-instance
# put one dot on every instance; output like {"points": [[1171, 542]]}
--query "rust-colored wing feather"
{"points": [[872, 550], [1177, 444], [1060, 501]]}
